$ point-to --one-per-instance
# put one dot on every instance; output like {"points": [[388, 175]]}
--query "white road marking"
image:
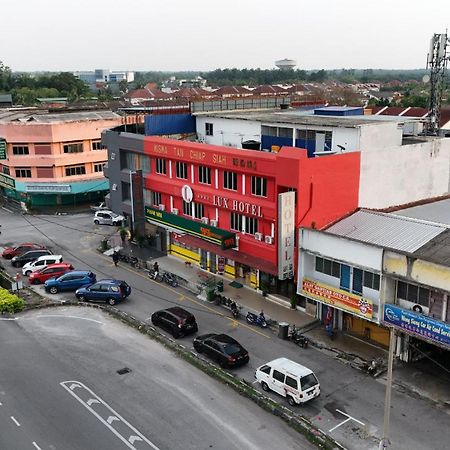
{"points": [[36, 446], [8, 318], [15, 421], [256, 381], [71, 385], [346, 420], [91, 401], [70, 317]]}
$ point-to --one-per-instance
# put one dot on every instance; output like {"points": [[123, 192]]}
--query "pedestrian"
{"points": [[115, 258], [155, 270]]}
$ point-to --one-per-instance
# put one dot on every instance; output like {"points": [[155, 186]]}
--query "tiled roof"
{"points": [[387, 230], [231, 90], [269, 89], [139, 93], [157, 94], [192, 92]]}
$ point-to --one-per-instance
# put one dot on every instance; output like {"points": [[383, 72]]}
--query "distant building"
{"points": [[53, 159]]}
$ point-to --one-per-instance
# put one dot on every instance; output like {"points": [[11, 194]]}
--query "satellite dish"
{"points": [[426, 78]]}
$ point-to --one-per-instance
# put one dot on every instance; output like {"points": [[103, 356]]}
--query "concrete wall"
{"points": [[392, 176], [380, 135], [228, 132]]}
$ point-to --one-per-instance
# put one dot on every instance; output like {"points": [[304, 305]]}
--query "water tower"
{"points": [[286, 64]]}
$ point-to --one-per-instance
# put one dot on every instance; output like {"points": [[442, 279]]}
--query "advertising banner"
{"points": [[286, 231], [344, 300], [417, 324], [211, 234]]}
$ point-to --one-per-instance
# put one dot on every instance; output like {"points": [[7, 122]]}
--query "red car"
{"points": [[10, 252], [51, 271]]}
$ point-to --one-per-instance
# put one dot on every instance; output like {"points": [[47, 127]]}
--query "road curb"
{"points": [[297, 422]]}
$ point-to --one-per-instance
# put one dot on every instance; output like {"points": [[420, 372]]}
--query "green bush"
{"points": [[10, 302]]}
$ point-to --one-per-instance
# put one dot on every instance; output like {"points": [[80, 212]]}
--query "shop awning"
{"points": [[242, 258]]}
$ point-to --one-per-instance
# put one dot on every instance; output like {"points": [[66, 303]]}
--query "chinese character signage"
{"points": [[2, 149], [417, 324], [286, 231], [338, 298], [7, 181], [211, 234]]}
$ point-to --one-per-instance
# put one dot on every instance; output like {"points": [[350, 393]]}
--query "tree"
{"points": [[6, 79]]}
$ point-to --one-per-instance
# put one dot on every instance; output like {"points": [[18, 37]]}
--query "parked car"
{"points": [[70, 281], [99, 206], [50, 271], [10, 252], [104, 291], [291, 380], [222, 348], [176, 320], [32, 255], [108, 218], [40, 263]]}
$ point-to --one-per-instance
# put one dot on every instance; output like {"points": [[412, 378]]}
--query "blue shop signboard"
{"points": [[417, 324]]}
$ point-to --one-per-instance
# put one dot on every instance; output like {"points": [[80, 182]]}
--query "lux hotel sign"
{"points": [[286, 234]]}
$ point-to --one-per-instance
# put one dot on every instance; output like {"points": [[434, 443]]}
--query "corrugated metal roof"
{"points": [[438, 211], [387, 230]]}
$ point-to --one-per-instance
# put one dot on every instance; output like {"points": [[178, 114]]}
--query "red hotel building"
{"points": [[230, 210]]}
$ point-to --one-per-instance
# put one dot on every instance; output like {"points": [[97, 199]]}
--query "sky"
{"points": [[174, 35]]}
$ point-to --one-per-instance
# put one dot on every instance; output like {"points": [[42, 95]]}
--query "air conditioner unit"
{"points": [[161, 207], [213, 223], [175, 211], [205, 220], [258, 236], [268, 239], [114, 187]]}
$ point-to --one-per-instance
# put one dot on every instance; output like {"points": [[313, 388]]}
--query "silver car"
{"points": [[108, 218]]}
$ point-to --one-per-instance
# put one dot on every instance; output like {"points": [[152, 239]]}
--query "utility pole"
{"points": [[387, 402]]}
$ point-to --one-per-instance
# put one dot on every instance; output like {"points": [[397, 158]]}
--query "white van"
{"points": [[291, 380], [40, 263]]}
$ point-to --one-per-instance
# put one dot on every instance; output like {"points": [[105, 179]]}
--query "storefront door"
{"points": [[212, 263], [203, 259]]}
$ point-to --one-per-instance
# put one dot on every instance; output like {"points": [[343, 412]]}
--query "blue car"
{"points": [[70, 281], [104, 291]]}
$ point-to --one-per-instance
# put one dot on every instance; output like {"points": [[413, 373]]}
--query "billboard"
{"points": [[286, 234]]}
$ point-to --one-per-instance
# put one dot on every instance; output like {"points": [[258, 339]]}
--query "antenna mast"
{"points": [[437, 63]]}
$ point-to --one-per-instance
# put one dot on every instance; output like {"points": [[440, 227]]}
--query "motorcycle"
{"points": [[298, 338], [151, 273], [257, 319], [235, 310], [170, 279]]}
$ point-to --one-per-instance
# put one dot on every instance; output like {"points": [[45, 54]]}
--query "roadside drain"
{"points": [[124, 371]]}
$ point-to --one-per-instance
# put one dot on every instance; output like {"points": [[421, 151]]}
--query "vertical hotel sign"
{"points": [[2, 148], [286, 231]]}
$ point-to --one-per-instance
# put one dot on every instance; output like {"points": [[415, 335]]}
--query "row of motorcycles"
{"points": [[167, 277]]}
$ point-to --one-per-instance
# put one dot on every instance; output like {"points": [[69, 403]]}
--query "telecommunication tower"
{"points": [[437, 63]]}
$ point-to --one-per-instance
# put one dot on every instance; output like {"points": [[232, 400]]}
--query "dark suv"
{"points": [[108, 291], [21, 260], [176, 320]]}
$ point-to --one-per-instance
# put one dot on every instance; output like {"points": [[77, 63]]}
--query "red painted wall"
{"points": [[327, 187]]}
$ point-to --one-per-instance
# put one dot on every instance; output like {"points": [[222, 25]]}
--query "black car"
{"points": [[176, 320], [21, 260], [222, 348]]}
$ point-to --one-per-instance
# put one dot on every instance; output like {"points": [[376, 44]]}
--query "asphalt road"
{"points": [[60, 389], [351, 405]]}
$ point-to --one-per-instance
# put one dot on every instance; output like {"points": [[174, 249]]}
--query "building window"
{"points": [[75, 147], [204, 174], [371, 280], [6, 170], [199, 210], [161, 166], [209, 131], [156, 198], [97, 145], [259, 186], [181, 169], [187, 210], [20, 150], [236, 222], [75, 170], [251, 225], [230, 180], [23, 173], [126, 191], [413, 293], [98, 167], [147, 197], [328, 267]]}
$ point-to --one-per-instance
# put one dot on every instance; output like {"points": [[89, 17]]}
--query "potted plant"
{"points": [[123, 234], [294, 301]]}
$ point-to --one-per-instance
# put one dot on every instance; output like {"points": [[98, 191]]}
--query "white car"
{"points": [[108, 218], [40, 263]]}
